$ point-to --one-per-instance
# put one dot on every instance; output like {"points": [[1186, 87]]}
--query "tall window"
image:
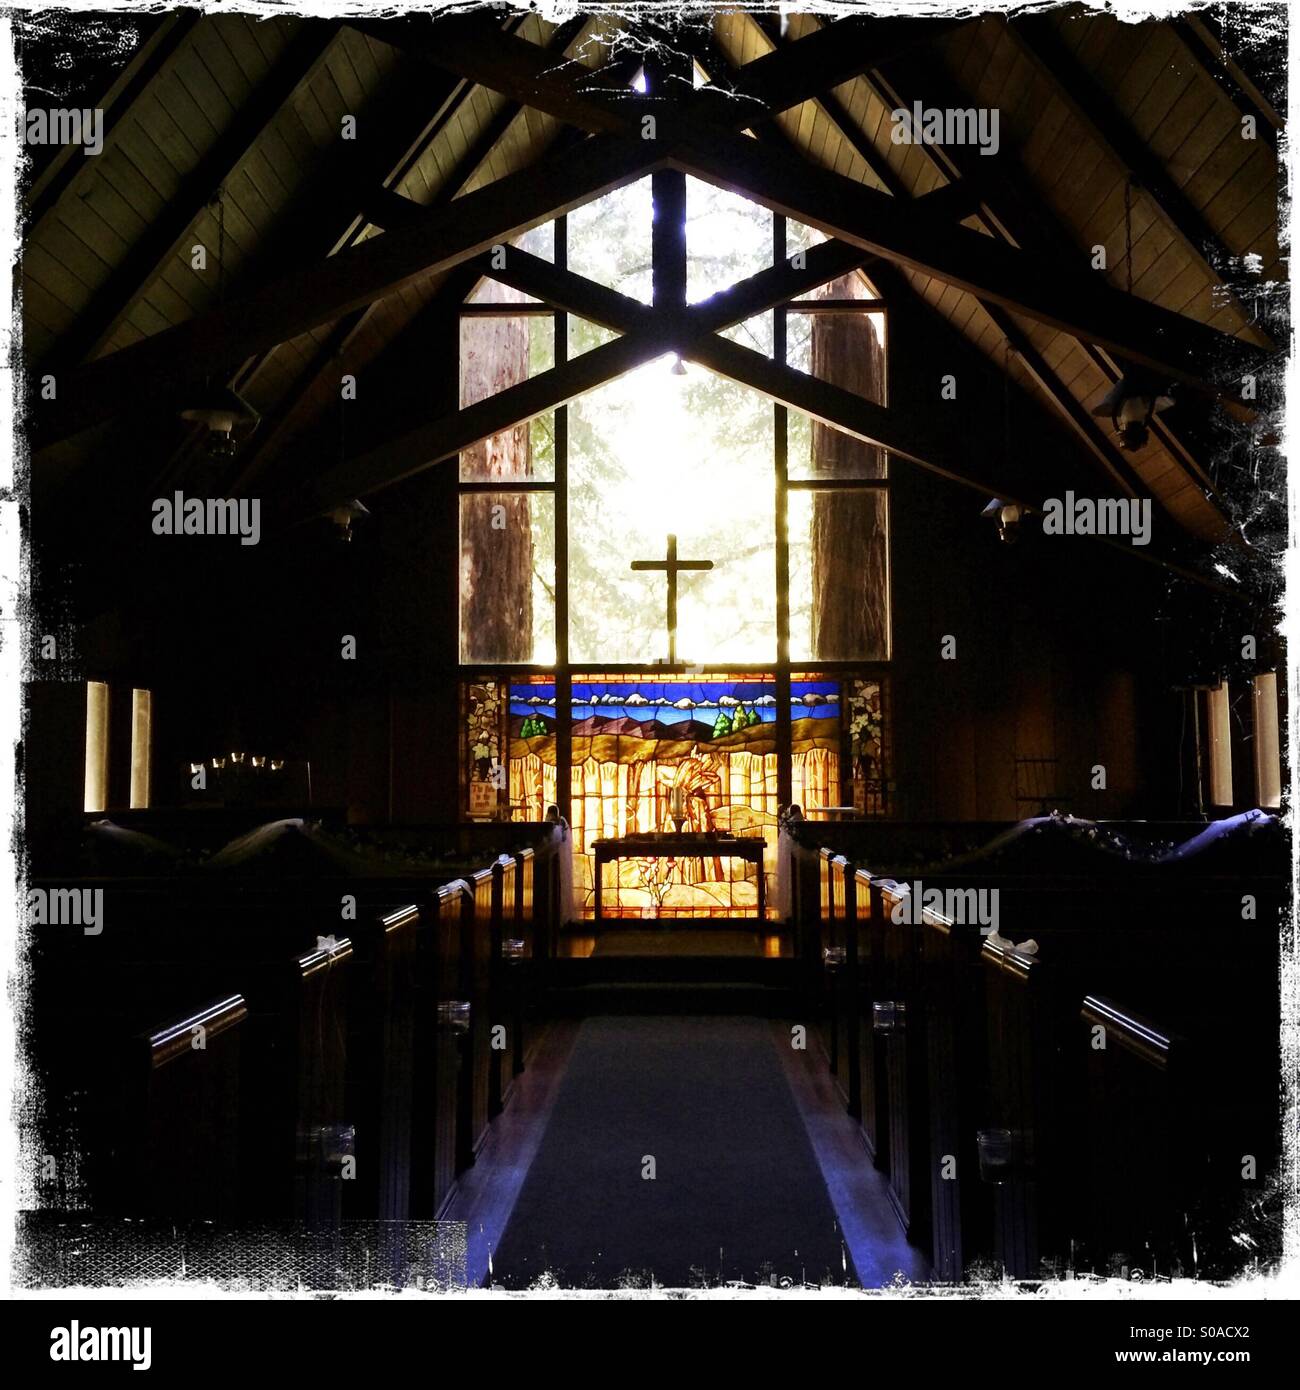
{"points": [[1219, 737], [141, 749], [1268, 758], [96, 780], [667, 523]]}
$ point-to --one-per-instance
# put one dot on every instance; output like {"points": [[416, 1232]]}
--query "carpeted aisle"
{"points": [[737, 1194]]}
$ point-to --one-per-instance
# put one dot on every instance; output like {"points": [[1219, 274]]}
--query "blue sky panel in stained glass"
{"points": [[675, 702]]}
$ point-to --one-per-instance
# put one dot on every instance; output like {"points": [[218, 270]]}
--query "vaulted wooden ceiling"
{"points": [[1093, 114]]}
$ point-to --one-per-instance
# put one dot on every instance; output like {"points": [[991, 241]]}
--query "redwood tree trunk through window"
{"points": [[496, 553], [849, 529]]}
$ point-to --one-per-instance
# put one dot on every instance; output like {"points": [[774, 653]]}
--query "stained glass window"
{"points": [[870, 745], [483, 725], [634, 741]]}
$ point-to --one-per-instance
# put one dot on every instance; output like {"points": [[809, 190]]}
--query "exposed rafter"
{"points": [[1004, 201], [574, 94], [649, 333], [1074, 301], [320, 293], [654, 333], [379, 207], [964, 192]]}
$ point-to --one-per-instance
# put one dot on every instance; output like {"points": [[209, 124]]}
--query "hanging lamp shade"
{"points": [[1130, 405], [1007, 516], [221, 410], [344, 515]]}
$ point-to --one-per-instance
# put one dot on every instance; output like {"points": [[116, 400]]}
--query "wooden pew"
{"points": [[520, 967], [1148, 1155], [382, 1060], [195, 933], [1023, 1156], [501, 1004], [310, 1066], [180, 1137], [1068, 1108], [904, 1032], [167, 940], [479, 905], [873, 1078], [443, 1064], [839, 978], [957, 1073], [1170, 943], [806, 923]]}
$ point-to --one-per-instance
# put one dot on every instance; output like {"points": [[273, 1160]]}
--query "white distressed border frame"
{"points": [[14, 590]]}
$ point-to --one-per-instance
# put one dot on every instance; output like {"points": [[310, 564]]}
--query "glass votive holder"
{"points": [[513, 949], [997, 1154], [889, 1016], [454, 1014]]}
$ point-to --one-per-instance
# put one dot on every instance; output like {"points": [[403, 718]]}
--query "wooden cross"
{"points": [[671, 564]]}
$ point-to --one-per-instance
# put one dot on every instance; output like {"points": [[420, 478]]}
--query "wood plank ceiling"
{"points": [[256, 109]]}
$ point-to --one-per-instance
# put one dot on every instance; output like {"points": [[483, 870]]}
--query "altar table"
{"points": [[669, 845]]}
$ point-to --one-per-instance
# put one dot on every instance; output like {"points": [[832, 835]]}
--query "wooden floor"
{"points": [[486, 1194]]}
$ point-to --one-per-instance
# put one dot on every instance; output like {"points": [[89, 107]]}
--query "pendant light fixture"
{"points": [[1007, 515], [346, 513], [229, 418], [1131, 404], [1137, 397]]}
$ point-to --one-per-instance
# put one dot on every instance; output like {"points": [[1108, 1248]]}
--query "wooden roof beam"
{"points": [[773, 83], [958, 199], [1074, 301], [382, 207], [655, 333], [649, 333], [1008, 207], [322, 292]]}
